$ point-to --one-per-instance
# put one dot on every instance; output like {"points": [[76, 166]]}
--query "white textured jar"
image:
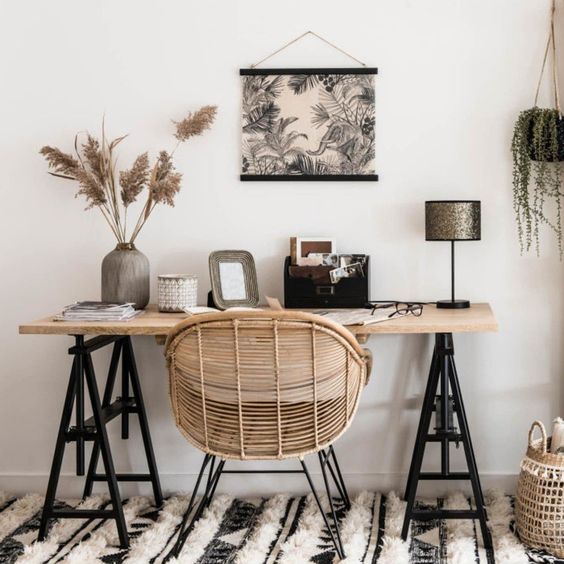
{"points": [[177, 292]]}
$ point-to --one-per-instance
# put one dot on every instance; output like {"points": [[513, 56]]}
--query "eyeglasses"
{"points": [[402, 308]]}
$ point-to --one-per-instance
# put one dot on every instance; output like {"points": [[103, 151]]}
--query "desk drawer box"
{"points": [[308, 293]]}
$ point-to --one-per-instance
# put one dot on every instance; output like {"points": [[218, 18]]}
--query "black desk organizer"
{"points": [[305, 293]]}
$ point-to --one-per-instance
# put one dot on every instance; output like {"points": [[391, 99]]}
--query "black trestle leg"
{"points": [[94, 429], [59, 453], [107, 399], [124, 349], [129, 360], [99, 422], [79, 408], [444, 430], [443, 371], [125, 389], [336, 540], [419, 448], [428, 402], [470, 458]]}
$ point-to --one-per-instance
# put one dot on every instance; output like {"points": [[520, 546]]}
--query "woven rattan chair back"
{"points": [[263, 385]]}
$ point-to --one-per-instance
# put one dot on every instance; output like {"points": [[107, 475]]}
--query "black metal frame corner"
{"points": [[327, 459], [94, 429], [448, 402]]}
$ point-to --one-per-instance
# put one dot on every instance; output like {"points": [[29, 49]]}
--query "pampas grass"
{"points": [[94, 168]]}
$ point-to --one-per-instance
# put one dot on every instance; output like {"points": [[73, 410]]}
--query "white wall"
{"points": [[453, 76]]}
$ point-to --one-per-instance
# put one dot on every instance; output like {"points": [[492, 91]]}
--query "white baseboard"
{"points": [[70, 486]]}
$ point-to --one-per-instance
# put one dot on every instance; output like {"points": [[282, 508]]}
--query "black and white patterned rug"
{"points": [[281, 529]]}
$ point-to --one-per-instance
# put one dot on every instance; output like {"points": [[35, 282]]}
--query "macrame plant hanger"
{"points": [[295, 40], [550, 46]]}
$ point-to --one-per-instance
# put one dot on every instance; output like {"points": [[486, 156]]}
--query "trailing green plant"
{"points": [[537, 174], [538, 152]]}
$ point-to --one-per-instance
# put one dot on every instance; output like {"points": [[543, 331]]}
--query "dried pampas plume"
{"points": [[61, 163], [89, 187], [93, 157], [133, 181], [196, 123], [94, 168]]}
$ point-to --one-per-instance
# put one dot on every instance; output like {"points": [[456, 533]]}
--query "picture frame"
{"points": [[233, 279], [314, 245], [303, 124]]}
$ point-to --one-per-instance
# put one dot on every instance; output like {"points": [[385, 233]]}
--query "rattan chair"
{"points": [[264, 385]]}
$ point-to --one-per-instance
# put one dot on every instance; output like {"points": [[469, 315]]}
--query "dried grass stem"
{"points": [[94, 168]]}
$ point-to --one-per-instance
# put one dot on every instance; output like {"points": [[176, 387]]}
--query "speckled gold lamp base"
{"points": [[453, 304]]}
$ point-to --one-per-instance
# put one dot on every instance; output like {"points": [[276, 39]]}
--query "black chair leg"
{"points": [[214, 473], [182, 531], [331, 504], [324, 460], [337, 476], [211, 484], [336, 539]]}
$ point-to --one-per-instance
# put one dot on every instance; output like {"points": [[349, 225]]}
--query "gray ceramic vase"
{"points": [[126, 276]]}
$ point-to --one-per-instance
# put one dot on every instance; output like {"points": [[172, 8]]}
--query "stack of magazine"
{"points": [[98, 311]]}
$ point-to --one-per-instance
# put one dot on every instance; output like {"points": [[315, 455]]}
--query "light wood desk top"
{"points": [[478, 318]]}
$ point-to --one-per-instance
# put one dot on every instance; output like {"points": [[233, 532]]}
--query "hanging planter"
{"points": [[545, 134], [538, 150]]}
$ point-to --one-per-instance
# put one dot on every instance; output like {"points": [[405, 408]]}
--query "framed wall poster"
{"points": [[308, 124]]}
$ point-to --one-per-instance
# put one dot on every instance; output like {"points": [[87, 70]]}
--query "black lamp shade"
{"points": [[452, 220]]}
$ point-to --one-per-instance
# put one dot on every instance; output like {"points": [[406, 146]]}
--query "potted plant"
{"points": [[125, 270], [538, 150]]}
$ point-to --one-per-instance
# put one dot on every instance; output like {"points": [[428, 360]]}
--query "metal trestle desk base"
{"points": [[94, 429], [443, 379]]}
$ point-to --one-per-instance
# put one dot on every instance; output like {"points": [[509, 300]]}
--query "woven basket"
{"points": [[539, 506]]}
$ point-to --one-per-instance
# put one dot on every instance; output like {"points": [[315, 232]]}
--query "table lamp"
{"points": [[452, 220]]}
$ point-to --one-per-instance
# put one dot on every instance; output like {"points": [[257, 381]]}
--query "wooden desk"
{"points": [[443, 378], [478, 318]]}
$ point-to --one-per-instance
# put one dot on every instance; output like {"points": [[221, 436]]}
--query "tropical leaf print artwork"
{"points": [[302, 126]]}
